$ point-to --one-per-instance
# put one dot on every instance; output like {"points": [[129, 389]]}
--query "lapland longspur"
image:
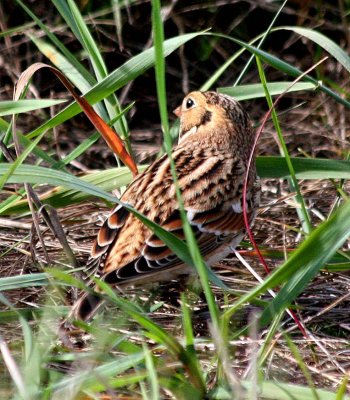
{"points": [[216, 140]]}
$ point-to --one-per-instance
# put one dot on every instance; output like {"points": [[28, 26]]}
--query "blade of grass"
{"points": [[273, 390], [305, 168], [13, 370], [115, 80], [202, 269], [341, 392], [88, 378], [210, 82], [61, 196], [188, 331], [180, 388], [29, 314], [32, 361], [267, 346], [158, 334], [89, 44], [37, 151], [302, 366], [266, 33], [81, 70], [69, 69], [76, 22], [111, 138], [256, 90], [302, 265], [323, 41], [19, 160], [86, 144], [302, 212], [23, 281], [283, 66], [187, 323], [9, 107], [152, 375], [33, 174], [268, 167], [284, 391]]}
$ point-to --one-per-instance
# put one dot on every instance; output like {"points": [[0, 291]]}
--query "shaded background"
{"points": [[313, 125], [188, 68]]}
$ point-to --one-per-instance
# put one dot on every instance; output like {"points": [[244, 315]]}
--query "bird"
{"points": [[211, 160]]}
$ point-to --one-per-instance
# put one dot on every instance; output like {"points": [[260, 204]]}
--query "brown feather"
{"points": [[215, 143]]}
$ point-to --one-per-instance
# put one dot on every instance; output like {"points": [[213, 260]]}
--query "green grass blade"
{"points": [[63, 8], [99, 375], [302, 265], [69, 69], [284, 67], [77, 24], [14, 372], [82, 71], [320, 250], [61, 196], [29, 314], [115, 80], [302, 211], [256, 90], [34, 174], [180, 388], [41, 154], [187, 322], [284, 391], [188, 332], [274, 390], [305, 168], [152, 375], [323, 41], [4, 125], [86, 144], [19, 160], [160, 335], [341, 392], [302, 366], [86, 40], [264, 36], [10, 107], [23, 281], [32, 361], [267, 347], [268, 167], [210, 82], [202, 269]]}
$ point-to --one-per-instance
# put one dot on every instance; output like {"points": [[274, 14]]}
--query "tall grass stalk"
{"points": [[158, 37], [302, 212]]}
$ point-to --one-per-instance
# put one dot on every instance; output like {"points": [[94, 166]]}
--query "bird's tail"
{"points": [[84, 309]]}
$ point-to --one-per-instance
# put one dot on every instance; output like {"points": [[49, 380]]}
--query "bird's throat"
{"points": [[186, 134]]}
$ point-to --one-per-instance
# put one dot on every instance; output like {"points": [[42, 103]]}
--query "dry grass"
{"points": [[323, 305], [317, 128]]}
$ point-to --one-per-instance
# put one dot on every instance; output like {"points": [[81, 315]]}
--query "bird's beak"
{"points": [[177, 111]]}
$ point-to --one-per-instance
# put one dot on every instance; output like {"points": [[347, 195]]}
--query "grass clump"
{"points": [[147, 345]]}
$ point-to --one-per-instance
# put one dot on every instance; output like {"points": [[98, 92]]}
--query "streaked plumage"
{"points": [[215, 143]]}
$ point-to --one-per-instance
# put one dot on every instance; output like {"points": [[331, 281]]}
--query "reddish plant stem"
{"points": [[245, 212]]}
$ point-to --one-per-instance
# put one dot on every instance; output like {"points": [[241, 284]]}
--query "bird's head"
{"points": [[217, 116], [194, 112]]}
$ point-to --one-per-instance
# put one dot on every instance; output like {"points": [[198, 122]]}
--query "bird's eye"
{"points": [[189, 103]]}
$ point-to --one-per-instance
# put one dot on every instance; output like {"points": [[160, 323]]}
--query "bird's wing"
{"points": [[125, 248], [211, 231]]}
